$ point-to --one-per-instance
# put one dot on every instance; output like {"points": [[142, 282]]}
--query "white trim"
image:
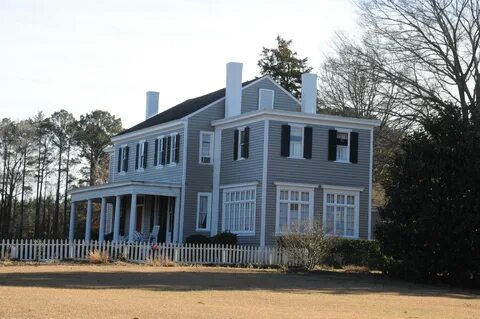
{"points": [[343, 188], [288, 116], [272, 92], [239, 185], [209, 211], [156, 129], [200, 145], [295, 185], [216, 180], [264, 183], [337, 191], [184, 177], [241, 189], [302, 143], [346, 131], [239, 142], [370, 187]]}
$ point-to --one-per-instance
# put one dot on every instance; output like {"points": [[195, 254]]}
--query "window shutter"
{"points": [[169, 149], [119, 162], [127, 150], [136, 156], [247, 142], [235, 145], [354, 147], [307, 143], [177, 148], [332, 145], [164, 150], [285, 140], [155, 154], [145, 153]]}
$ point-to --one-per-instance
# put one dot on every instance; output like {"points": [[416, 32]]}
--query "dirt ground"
{"points": [[136, 291]]}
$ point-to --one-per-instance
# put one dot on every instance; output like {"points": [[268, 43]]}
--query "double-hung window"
{"points": [[241, 140], [343, 146], [141, 156], [167, 150], [341, 212], [204, 204], [122, 164], [239, 210], [206, 147], [296, 141], [173, 148], [294, 208]]}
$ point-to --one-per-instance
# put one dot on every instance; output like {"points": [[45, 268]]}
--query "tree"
{"points": [[283, 65], [95, 132], [430, 227]]}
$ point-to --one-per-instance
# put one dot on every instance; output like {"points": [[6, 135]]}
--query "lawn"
{"points": [[137, 291]]}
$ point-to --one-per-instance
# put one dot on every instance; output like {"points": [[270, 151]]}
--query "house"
{"points": [[249, 159]]}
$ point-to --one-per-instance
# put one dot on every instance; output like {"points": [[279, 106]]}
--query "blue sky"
{"points": [[85, 55]]}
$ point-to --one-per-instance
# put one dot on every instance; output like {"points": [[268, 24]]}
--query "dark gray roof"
{"points": [[181, 110]]}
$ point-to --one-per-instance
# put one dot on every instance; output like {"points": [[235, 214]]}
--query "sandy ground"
{"points": [[135, 291]]}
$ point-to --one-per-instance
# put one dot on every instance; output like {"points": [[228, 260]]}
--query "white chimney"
{"points": [[152, 104], [309, 93], [233, 90]]}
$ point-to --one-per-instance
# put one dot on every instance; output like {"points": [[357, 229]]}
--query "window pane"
{"points": [[342, 153], [340, 221], [239, 210], [330, 218], [296, 141], [305, 196], [350, 221], [294, 196], [283, 218], [340, 199], [330, 198], [342, 138], [350, 200], [283, 195]]}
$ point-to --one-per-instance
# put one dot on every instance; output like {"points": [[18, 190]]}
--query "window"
{"points": [[204, 204], [173, 148], [294, 208], [343, 146], [239, 210], [122, 164], [341, 213], [241, 143], [296, 141], [141, 155], [206, 147], [265, 99], [167, 150], [159, 160]]}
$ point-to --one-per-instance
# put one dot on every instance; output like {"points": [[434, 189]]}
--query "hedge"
{"points": [[359, 252]]}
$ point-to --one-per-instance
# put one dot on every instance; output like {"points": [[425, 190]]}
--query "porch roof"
{"points": [[114, 189]]}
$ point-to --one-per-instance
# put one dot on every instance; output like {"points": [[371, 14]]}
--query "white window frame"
{"points": [[141, 149], [265, 91], [209, 211], [239, 144], [347, 191], [310, 189], [159, 150], [302, 128], [173, 144], [346, 131], [122, 160], [253, 212], [212, 136]]}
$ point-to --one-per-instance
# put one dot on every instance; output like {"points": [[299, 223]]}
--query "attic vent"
{"points": [[265, 99]]}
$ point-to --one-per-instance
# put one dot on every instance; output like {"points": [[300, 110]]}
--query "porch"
{"points": [[129, 211]]}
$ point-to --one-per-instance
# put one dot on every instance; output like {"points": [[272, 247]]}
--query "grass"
{"points": [[140, 291]]}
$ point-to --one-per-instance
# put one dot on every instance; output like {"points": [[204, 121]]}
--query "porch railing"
{"points": [[79, 250]]}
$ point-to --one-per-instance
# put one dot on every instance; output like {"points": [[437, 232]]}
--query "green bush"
{"points": [[224, 238], [197, 239], [359, 252]]}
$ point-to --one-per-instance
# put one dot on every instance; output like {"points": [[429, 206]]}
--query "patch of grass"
{"points": [[98, 257]]}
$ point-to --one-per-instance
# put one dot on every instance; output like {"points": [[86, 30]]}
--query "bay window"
{"points": [[341, 212], [239, 210], [294, 208]]}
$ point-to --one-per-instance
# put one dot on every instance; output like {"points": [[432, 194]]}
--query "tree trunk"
{"points": [[67, 168], [57, 196], [22, 199]]}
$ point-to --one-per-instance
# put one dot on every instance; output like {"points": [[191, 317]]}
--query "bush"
{"points": [[224, 238], [359, 252], [197, 239], [98, 257]]}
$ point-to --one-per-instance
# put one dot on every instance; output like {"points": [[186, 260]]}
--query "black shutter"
{"points": [[307, 143], [332, 145], [127, 149], [247, 142], [177, 148], [164, 151], [145, 152], [155, 154], [119, 159], [235, 145], [285, 140], [136, 156], [354, 147], [169, 149]]}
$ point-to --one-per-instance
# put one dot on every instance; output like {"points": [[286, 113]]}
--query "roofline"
{"points": [[290, 116], [116, 185]]}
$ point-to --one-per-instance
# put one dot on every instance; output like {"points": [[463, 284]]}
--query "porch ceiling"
{"points": [[107, 190]]}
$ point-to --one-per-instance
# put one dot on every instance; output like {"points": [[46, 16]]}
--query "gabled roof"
{"points": [[183, 109]]}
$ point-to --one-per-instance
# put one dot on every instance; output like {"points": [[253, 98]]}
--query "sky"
{"points": [[85, 55]]}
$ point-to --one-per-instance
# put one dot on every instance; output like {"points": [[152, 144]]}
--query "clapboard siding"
{"points": [[166, 174], [317, 170], [282, 100]]}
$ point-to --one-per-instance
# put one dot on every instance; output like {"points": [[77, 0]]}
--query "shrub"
{"points": [[98, 257], [161, 261], [342, 251], [197, 239], [224, 238]]}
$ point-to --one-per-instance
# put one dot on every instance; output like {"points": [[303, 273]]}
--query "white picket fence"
{"points": [[53, 250]]}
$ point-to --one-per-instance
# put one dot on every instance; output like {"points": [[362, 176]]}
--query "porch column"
{"points": [[88, 222], [101, 230], [72, 221], [133, 217], [116, 223]]}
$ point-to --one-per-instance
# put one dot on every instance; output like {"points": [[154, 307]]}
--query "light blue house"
{"points": [[249, 159]]}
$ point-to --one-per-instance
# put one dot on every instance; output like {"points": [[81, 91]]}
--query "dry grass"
{"points": [[161, 261], [137, 291], [98, 257]]}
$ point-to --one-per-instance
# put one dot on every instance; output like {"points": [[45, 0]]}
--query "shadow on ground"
{"points": [[217, 279]]}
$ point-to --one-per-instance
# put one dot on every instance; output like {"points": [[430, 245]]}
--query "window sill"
{"points": [[122, 173], [202, 230], [343, 162], [296, 158], [140, 170], [240, 159], [159, 166], [202, 163], [172, 165], [243, 233]]}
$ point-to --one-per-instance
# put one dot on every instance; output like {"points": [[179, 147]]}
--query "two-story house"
{"points": [[249, 159]]}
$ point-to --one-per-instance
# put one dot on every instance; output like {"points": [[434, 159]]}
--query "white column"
{"points": [[116, 223], [88, 222], [133, 217], [72, 222], [101, 230]]}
